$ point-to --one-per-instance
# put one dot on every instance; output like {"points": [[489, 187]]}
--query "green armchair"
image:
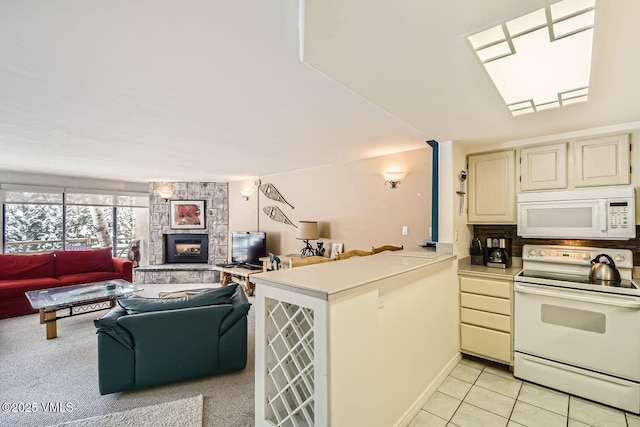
{"points": [[144, 342]]}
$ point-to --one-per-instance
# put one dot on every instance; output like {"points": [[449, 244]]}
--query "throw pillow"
{"points": [[17, 267], [135, 305], [180, 294], [77, 262]]}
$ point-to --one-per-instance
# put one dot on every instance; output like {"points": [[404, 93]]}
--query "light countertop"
{"points": [[325, 279], [465, 267]]}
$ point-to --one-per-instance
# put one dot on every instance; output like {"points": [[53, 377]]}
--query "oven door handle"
{"points": [[577, 295]]}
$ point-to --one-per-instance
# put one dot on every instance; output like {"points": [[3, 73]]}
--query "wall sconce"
{"points": [[166, 193], [393, 178], [308, 230], [246, 194]]}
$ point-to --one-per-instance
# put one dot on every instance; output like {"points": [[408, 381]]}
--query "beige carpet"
{"points": [[183, 413], [62, 373]]}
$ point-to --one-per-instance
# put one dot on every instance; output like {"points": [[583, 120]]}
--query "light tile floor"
{"points": [[478, 393]]}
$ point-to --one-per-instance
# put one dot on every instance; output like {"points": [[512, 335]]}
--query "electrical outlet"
{"points": [[380, 302], [429, 231], [405, 230]]}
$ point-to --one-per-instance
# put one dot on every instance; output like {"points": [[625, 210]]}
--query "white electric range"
{"points": [[574, 334]]}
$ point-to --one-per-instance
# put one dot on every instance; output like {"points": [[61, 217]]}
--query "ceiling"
{"points": [[210, 90]]}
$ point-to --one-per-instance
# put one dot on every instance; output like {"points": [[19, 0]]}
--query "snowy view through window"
{"points": [[42, 227]]}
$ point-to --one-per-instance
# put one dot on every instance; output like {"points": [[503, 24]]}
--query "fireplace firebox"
{"points": [[186, 248]]}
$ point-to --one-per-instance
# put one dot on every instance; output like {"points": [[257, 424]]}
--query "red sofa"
{"points": [[23, 273]]}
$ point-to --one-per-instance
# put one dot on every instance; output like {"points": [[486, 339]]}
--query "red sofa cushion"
{"points": [[15, 288], [15, 267], [73, 262]]}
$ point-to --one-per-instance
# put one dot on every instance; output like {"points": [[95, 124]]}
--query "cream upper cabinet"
{"points": [[543, 167], [491, 188], [602, 161]]}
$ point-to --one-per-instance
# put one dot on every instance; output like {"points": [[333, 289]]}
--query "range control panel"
{"points": [[623, 258]]}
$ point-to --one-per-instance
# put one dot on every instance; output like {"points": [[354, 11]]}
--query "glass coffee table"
{"points": [[79, 299]]}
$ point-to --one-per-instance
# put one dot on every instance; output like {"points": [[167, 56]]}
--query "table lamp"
{"points": [[308, 230]]}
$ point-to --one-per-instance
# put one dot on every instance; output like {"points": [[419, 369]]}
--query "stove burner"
{"points": [[570, 267], [602, 282], [585, 280]]}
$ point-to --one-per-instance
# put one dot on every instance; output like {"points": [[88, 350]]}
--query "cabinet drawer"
{"points": [[485, 342], [488, 320], [491, 287], [484, 303]]}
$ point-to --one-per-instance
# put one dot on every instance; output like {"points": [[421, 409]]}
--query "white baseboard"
{"points": [[411, 413]]}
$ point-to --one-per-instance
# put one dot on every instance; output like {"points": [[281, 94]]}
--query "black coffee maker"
{"points": [[498, 252]]}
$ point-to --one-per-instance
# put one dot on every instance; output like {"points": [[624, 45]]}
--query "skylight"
{"points": [[541, 60]]}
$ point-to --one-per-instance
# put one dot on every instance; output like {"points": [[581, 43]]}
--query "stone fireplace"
{"points": [[160, 270]]}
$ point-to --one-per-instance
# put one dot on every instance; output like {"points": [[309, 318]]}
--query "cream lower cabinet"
{"points": [[486, 317]]}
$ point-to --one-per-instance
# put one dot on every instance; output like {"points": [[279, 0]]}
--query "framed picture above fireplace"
{"points": [[187, 214]]}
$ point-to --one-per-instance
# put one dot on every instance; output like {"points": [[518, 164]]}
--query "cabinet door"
{"points": [[492, 197], [544, 167], [602, 161]]}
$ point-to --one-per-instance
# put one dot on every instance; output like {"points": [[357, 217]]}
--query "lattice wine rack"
{"points": [[290, 364]]}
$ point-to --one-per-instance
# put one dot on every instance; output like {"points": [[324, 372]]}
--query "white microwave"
{"points": [[594, 213]]}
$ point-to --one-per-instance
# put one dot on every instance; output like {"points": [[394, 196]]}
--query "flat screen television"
{"points": [[247, 247]]}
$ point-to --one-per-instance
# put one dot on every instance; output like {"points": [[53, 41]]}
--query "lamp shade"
{"points": [[393, 175], [308, 230], [165, 192]]}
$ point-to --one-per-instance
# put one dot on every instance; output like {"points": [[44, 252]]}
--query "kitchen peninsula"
{"points": [[362, 341]]}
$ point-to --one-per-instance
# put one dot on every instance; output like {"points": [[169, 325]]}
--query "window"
{"points": [[44, 219], [32, 228], [88, 227]]}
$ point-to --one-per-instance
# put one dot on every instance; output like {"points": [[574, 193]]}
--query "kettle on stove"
{"points": [[604, 271]]}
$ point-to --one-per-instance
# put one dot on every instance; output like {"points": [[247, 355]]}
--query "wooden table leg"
{"points": [[42, 316], [225, 279], [248, 287], [50, 322]]}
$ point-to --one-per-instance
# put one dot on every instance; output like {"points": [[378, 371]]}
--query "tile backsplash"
{"points": [[509, 230]]}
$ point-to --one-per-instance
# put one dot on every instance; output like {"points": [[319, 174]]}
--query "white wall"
{"points": [[7, 177], [378, 378], [349, 200]]}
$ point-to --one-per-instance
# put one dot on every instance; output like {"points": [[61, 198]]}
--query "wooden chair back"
{"points": [[355, 252], [294, 262], [386, 248]]}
